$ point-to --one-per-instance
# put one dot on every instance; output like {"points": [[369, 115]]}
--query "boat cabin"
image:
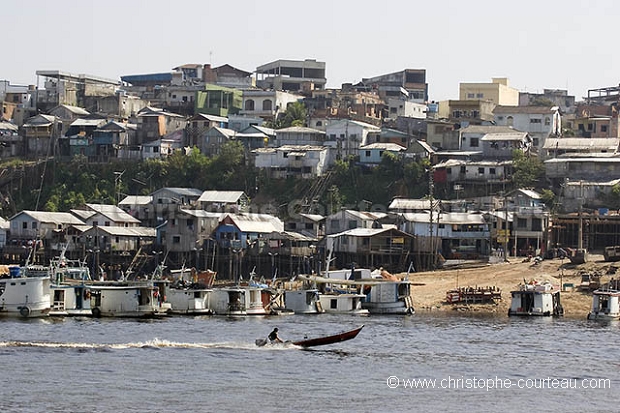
{"points": [[605, 305], [535, 299]]}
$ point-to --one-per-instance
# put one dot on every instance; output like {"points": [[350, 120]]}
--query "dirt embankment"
{"points": [[429, 291]]}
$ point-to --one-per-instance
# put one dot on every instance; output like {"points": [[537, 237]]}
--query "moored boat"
{"points": [[127, 299], [606, 302], [536, 299], [25, 292]]}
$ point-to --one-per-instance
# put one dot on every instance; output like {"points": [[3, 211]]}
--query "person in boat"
{"points": [[273, 337]]}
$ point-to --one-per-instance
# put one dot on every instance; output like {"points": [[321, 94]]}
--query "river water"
{"points": [[207, 364]]}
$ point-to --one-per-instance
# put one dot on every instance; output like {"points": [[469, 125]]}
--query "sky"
{"points": [[537, 45]]}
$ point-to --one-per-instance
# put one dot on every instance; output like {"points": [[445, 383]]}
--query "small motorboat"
{"points": [[319, 341]]}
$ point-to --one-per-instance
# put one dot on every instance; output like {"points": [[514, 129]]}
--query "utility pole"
{"points": [[431, 186]]}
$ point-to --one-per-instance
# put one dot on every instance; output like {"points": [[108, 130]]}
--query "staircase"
{"points": [[316, 191]]}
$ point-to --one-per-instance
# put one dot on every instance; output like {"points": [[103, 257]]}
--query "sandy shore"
{"points": [[429, 291]]}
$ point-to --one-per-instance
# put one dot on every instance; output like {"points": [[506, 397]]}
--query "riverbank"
{"points": [[429, 291]]}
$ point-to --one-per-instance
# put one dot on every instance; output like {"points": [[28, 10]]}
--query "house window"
{"points": [[509, 121], [470, 96], [536, 224], [521, 223], [380, 154], [117, 239], [352, 224], [176, 239], [174, 96], [368, 154], [463, 169], [249, 104], [24, 225], [547, 121], [309, 225], [491, 171], [535, 120], [319, 123], [267, 104], [106, 224], [449, 171], [190, 223], [590, 126], [95, 223], [479, 95], [335, 225], [603, 128], [481, 171], [456, 114], [393, 110], [474, 142], [535, 141], [500, 118], [403, 140]]}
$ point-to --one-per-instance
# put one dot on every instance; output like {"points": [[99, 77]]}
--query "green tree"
{"points": [[528, 171], [294, 115]]}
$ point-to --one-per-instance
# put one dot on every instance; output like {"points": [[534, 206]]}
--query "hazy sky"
{"points": [[540, 44]]}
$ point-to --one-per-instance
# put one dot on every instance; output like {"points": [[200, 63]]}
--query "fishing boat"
{"points": [[303, 301], [228, 301], [188, 293], [606, 302], [319, 341], [536, 299], [69, 294], [25, 292], [343, 303], [381, 296], [127, 299]]}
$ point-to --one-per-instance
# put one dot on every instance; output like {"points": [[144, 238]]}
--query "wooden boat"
{"points": [[336, 338], [319, 341]]}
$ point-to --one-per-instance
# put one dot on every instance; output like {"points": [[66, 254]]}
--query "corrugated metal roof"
{"points": [[88, 122], [127, 231], [368, 232], [313, 217], [201, 213], [136, 200], [299, 129], [8, 126], [75, 109], [410, 204], [487, 129], [189, 192], [448, 218], [83, 214], [220, 196], [52, 217], [543, 110], [384, 145], [530, 193], [507, 136], [582, 143], [257, 223], [113, 212]]}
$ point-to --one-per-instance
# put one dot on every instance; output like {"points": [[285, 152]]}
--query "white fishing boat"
{"points": [[190, 291], [388, 297], [343, 303], [304, 301], [25, 292], [69, 294], [606, 302], [536, 299], [229, 301], [380, 296], [127, 299]]}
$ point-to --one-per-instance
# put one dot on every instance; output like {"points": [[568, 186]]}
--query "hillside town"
{"points": [[469, 144]]}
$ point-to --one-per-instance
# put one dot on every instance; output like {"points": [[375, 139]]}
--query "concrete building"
{"points": [[292, 75], [497, 91]]}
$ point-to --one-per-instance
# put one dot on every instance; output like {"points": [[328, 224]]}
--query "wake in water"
{"points": [[151, 344]]}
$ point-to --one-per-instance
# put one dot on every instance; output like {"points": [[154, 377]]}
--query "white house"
{"points": [[372, 153], [540, 122], [266, 104], [105, 215], [348, 135], [299, 135], [293, 160], [38, 224]]}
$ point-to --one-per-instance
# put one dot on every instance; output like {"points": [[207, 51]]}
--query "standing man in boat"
{"points": [[273, 336]]}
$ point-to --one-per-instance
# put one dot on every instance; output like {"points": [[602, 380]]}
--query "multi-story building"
{"points": [[497, 91], [292, 75]]}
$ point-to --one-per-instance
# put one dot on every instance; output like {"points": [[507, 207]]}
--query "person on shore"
{"points": [[273, 337]]}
